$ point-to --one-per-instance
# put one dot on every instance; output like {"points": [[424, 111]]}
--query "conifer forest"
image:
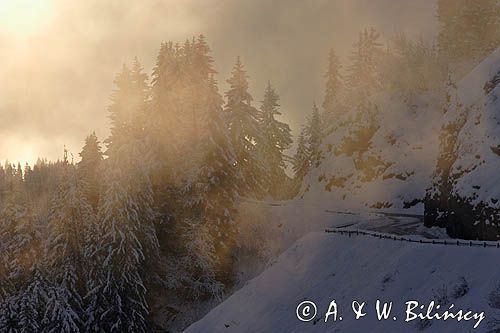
{"points": [[198, 176]]}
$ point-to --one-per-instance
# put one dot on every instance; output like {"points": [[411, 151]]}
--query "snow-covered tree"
{"points": [[276, 137], [244, 131], [162, 123], [163, 133], [89, 168], [468, 31], [212, 190], [19, 240], [314, 134], [20, 246], [127, 242], [33, 303], [70, 215], [332, 103], [410, 68], [128, 103], [301, 157], [363, 79]]}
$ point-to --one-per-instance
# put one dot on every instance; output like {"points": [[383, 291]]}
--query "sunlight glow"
{"points": [[24, 18]]}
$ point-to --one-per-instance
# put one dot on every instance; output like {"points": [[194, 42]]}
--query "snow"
{"points": [[471, 87], [479, 135], [321, 267], [405, 146]]}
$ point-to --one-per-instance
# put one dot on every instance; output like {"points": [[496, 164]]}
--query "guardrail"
{"points": [[414, 240]]}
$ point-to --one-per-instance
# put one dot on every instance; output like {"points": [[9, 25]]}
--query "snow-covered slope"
{"points": [[465, 193], [478, 146], [381, 156], [321, 267], [385, 155]]}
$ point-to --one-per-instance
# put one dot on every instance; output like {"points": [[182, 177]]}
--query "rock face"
{"points": [[465, 194]]}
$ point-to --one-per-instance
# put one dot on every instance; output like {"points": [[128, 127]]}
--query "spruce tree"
{"points": [[162, 128], [214, 192], [20, 246], [469, 30], [301, 157], [19, 239], [244, 132], [89, 168], [332, 103], [127, 242], [128, 103], [162, 122], [363, 79], [276, 137], [68, 220], [33, 303], [363, 82], [313, 132]]}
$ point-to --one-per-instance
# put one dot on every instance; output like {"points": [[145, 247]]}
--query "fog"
{"points": [[59, 58]]}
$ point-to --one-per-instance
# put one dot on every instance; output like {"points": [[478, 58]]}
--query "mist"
{"points": [[58, 70]]}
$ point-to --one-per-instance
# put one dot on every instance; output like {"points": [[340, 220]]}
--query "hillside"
{"points": [[437, 152], [321, 267], [465, 190]]}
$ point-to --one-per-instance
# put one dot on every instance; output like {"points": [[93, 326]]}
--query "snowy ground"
{"points": [[321, 267], [324, 266]]}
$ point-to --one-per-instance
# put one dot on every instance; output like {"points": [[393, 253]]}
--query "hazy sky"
{"points": [[59, 58]]}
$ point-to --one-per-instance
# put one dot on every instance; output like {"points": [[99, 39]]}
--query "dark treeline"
{"points": [[150, 215]]}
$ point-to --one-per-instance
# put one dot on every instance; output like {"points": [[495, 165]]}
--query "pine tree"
{"points": [[363, 82], [162, 134], [314, 135], [301, 157], [162, 122], [68, 220], [276, 137], [129, 103], [20, 248], [469, 30], [89, 168], [363, 79], [127, 242], [33, 303], [212, 193], [244, 131], [332, 104]]}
